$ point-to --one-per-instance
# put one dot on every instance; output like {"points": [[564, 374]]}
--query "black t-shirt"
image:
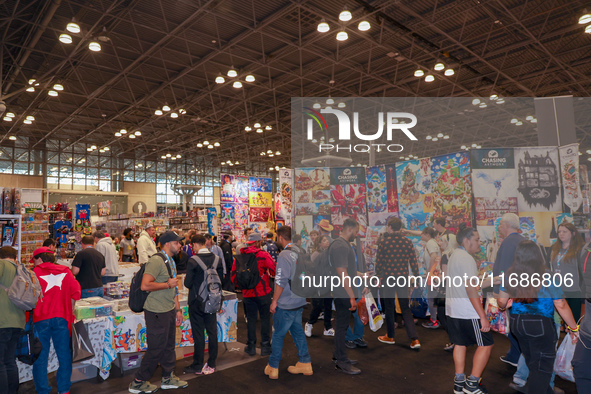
{"points": [[91, 262], [343, 256]]}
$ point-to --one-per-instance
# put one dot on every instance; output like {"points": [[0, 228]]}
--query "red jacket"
{"points": [[60, 287], [266, 269]]}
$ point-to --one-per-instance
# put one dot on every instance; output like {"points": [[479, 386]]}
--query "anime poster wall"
{"points": [[312, 201], [392, 188], [452, 188], [538, 177], [227, 189], [285, 211], [241, 188], [415, 199], [348, 197], [377, 192], [569, 168], [260, 192], [227, 219], [241, 217]]}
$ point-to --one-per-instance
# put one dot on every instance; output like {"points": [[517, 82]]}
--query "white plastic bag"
{"points": [[564, 356], [375, 318]]}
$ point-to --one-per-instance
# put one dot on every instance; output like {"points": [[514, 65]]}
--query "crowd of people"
{"points": [[537, 312]]}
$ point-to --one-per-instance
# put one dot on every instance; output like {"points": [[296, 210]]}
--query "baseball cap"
{"points": [[38, 251], [254, 237], [148, 226], [169, 236]]}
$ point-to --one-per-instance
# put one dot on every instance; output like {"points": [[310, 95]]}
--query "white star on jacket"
{"points": [[53, 280]]}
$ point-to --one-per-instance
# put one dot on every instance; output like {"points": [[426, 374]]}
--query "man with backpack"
{"points": [[271, 247], [287, 309], [251, 272], [12, 321], [53, 318], [162, 313], [204, 273]]}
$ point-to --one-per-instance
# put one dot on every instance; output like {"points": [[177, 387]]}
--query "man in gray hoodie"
{"points": [[287, 309], [105, 246]]}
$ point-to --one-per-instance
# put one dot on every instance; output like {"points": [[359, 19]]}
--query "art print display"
{"points": [[259, 215], [571, 183], [241, 188], [320, 219], [527, 228], [538, 178], [263, 185], [370, 245], [452, 188], [104, 208], [348, 197], [285, 195], [303, 226], [83, 219], [227, 188], [392, 188], [312, 179], [489, 209], [260, 199], [415, 201], [241, 218], [227, 217], [380, 218], [377, 191]]}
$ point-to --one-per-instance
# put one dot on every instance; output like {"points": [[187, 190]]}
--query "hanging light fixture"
{"points": [[475, 101], [209, 146], [323, 27], [200, 145], [117, 134], [65, 38], [342, 36], [138, 133], [7, 119], [12, 138], [73, 27], [94, 46], [364, 26], [482, 105], [30, 89], [178, 156], [439, 66], [58, 86], [259, 131], [449, 72], [29, 117], [501, 100], [232, 73], [174, 115], [182, 111], [330, 101], [440, 135], [277, 153], [123, 131], [429, 78], [168, 155], [588, 29], [345, 15], [247, 128], [237, 84], [52, 93], [342, 104], [165, 107], [219, 79], [237, 162], [106, 148], [268, 127], [249, 78], [158, 112], [257, 125], [514, 120], [93, 147], [216, 144], [494, 97], [132, 136], [10, 114], [419, 73], [584, 19]]}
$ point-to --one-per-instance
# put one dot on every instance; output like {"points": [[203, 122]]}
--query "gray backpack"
{"points": [[210, 291], [25, 290]]}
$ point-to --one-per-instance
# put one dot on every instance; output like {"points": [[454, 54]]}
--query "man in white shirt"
{"points": [[146, 247], [467, 321]]}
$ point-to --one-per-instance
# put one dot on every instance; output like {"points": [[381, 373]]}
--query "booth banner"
{"points": [[538, 179], [227, 218], [104, 208], [392, 188], [569, 166], [452, 189], [228, 188], [377, 192], [212, 221], [285, 193], [241, 188], [83, 219], [348, 197], [415, 199]]}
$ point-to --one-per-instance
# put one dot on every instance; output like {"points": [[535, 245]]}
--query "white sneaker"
{"points": [[308, 330], [329, 333], [321, 316]]}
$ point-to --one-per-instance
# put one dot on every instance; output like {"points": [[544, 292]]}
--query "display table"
{"points": [[125, 332]]}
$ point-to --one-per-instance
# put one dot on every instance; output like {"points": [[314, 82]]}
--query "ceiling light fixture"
{"points": [[449, 72], [475, 101], [249, 78], [93, 147], [182, 111], [7, 119], [58, 86], [584, 19], [257, 125], [216, 144], [463, 147], [514, 120], [446, 137], [429, 137], [482, 105], [259, 131], [323, 27], [138, 133], [168, 155], [210, 147], [30, 89], [329, 101], [247, 128], [268, 127], [123, 131], [12, 138], [102, 150], [262, 154], [178, 156], [419, 73], [219, 79], [494, 97], [529, 117], [364, 26], [232, 73], [117, 134], [73, 27], [27, 121], [106, 148], [200, 145], [158, 112], [345, 15], [237, 85], [342, 36], [519, 123], [132, 136], [277, 153], [174, 115], [317, 106], [439, 66], [435, 139], [29, 117], [341, 105], [429, 78], [165, 108], [205, 142], [588, 29], [52, 93], [94, 46], [32, 81], [11, 114], [65, 38]]}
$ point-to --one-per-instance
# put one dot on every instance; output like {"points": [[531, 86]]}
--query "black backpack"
{"points": [[247, 271], [311, 279], [137, 296]]}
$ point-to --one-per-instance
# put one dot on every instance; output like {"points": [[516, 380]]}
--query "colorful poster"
{"points": [[83, 219], [264, 185], [380, 218], [377, 192], [259, 215], [212, 221], [228, 188], [104, 208], [489, 209], [227, 217], [538, 179], [415, 202], [370, 245], [260, 199], [241, 185], [569, 167], [526, 226], [241, 219], [303, 226], [452, 188], [285, 211], [392, 188], [348, 197], [312, 179]]}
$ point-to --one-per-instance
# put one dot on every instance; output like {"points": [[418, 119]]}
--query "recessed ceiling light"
{"points": [[364, 26], [323, 27], [65, 38], [345, 15]]}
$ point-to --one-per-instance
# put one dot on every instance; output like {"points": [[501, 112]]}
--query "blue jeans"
{"points": [[58, 331], [522, 373], [284, 321], [358, 328], [108, 279], [96, 292]]}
